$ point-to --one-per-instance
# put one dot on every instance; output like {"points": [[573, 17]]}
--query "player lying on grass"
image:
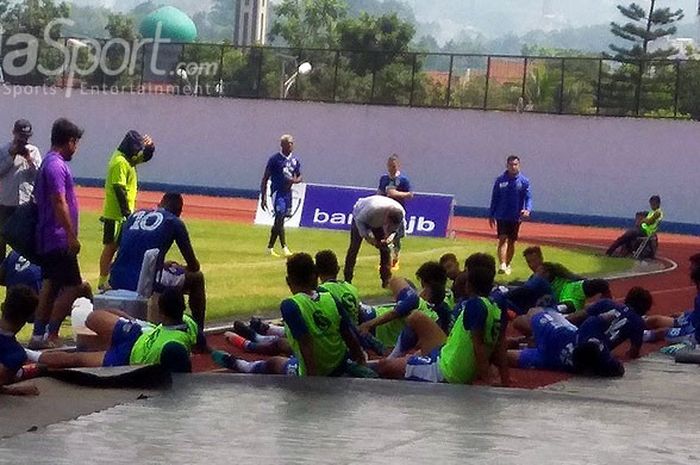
{"points": [[572, 290], [561, 346], [683, 328], [476, 341], [618, 322], [19, 305], [167, 341], [317, 330], [266, 339]]}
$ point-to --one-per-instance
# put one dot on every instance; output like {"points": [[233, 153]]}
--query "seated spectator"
{"points": [[644, 227], [167, 341], [20, 304]]}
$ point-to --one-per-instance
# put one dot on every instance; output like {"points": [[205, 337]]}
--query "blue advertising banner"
{"points": [[330, 207]]}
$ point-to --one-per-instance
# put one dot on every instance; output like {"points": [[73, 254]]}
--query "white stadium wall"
{"points": [[577, 165]]}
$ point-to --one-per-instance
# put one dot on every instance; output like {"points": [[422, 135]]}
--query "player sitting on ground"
{"points": [[20, 304], [682, 329], [477, 340], [571, 290], [317, 330], [167, 341], [619, 322], [561, 346], [157, 229], [449, 262]]}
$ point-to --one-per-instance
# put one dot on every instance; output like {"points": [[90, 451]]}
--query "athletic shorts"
{"points": [[573, 293], [530, 358], [170, 277], [682, 333], [510, 229], [291, 368], [282, 202], [61, 268], [124, 336], [111, 230], [424, 368]]}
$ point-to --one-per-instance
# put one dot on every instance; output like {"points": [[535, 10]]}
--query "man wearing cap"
{"points": [[19, 162], [121, 184], [283, 170]]}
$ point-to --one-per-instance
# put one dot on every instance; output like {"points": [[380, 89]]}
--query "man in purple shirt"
{"points": [[57, 235]]}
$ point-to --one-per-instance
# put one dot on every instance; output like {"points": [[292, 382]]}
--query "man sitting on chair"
{"points": [[644, 228], [158, 228]]}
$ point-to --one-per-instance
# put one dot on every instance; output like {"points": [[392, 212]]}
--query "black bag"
{"points": [[20, 231]]}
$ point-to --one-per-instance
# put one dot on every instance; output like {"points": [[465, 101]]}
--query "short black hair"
{"points": [[448, 257], [588, 358], [655, 199], [327, 263], [512, 158], [480, 279], [172, 303], [533, 250], [301, 270], [434, 277], [557, 270], [393, 157], [175, 358], [694, 260], [63, 131], [695, 275], [173, 202], [480, 260], [20, 304], [639, 300]]}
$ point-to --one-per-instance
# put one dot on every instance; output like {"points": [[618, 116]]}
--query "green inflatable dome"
{"points": [[175, 25]]}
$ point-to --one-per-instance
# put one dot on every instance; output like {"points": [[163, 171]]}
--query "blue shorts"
{"points": [[124, 336], [282, 202], [424, 368], [680, 333], [531, 358]]}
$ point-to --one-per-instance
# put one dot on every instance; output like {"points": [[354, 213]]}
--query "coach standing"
{"points": [[57, 235], [283, 170], [19, 163], [397, 186], [511, 202]]}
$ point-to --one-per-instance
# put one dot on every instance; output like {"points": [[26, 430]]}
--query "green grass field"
{"points": [[242, 280]]}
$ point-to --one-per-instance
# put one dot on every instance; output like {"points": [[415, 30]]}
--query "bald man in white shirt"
{"points": [[376, 220]]}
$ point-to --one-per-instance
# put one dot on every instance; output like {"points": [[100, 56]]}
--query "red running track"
{"points": [[672, 290]]}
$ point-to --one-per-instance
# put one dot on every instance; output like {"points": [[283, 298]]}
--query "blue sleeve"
{"points": [[293, 319], [12, 354], [297, 170], [494, 198], [528, 196], [407, 301], [600, 307], [636, 330], [269, 167], [405, 184], [383, 181], [475, 314]]}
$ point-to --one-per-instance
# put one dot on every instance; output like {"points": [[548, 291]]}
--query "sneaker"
{"points": [[502, 268], [37, 343], [508, 270], [223, 359], [287, 252], [244, 331], [258, 325], [272, 253]]}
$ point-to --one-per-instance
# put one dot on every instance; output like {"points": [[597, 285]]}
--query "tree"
{"points": [[308, 23], [385, 39], [32, 16], [641, 31]]}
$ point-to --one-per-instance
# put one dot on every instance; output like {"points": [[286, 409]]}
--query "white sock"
{"points": [[561, 308], [33, 355], [396, 353], [275, 330], [249, 367], [265, 339]]}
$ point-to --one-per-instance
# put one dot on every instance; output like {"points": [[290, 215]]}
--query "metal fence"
{"points": [[572, 85]]}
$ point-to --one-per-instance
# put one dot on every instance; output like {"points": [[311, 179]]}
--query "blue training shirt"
{"points": [[620, 323], [145, 230], [401, 183], [510, 196], [12, 354], [281, 170], [20, 271], [556, 339]]}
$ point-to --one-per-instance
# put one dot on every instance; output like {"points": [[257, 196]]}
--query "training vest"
{"points": [[149, 346], [650, 229], [347, 295], [388, 333], [457, 361], [323, 322]]}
